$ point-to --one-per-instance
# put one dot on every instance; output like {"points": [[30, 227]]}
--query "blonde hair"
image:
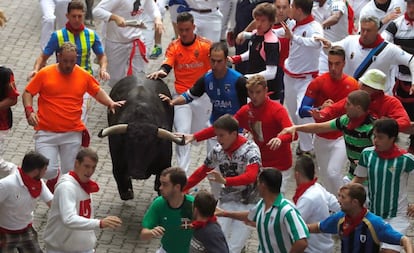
{"points": [[256, 80]]}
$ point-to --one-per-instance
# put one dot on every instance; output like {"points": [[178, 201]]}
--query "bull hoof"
{"points": [[127, 195], [100, 134]]}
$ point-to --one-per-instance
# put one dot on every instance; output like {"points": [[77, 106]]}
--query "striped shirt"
{"points": [[84, 41], [278, 227], [387, 182], [356, 139], [400, 31]]}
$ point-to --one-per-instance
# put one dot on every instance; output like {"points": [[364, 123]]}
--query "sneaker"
{"points": [[156, 52]]}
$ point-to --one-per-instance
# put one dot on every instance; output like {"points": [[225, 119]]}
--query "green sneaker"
{"points": [[156, 52]]}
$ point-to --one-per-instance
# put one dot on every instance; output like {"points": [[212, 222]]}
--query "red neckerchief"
{"points": [[356, 122], [34, 186], [239, 141], [305, 21], [201, 224], [73, 30], [392, 153], [89, 187], [351, 223], [300, 190], [378, 41], [409, 20]]}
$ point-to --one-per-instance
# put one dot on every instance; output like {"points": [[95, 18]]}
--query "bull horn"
{"points": [[167, 135], [115, 129]]}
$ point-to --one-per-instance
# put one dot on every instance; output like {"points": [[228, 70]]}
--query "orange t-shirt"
{"points": [[189, 62], [61, 97]]}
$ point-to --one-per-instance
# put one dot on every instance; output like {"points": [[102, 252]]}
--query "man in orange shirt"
{"points": [[189, 56], [58, 122], [324, 90]]}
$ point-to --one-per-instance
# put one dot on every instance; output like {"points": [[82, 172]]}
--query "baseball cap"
{"points": [[374, 78]]}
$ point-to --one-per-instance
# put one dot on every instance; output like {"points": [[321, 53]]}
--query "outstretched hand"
{"points": [[188, 138]]}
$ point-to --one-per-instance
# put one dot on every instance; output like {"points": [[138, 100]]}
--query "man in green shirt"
{"points": [[169, 216]]}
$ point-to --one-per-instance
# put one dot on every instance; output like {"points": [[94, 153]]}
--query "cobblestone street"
{"points": [[19, 47]]}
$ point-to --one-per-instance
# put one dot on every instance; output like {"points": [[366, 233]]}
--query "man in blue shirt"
{"points": [[359, 229]]}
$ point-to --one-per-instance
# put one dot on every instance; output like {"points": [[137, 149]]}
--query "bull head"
{"points": [[122, 129]]}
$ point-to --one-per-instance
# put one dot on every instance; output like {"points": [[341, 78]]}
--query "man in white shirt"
{"points": [[19, 193], [124, 45], [314, 203]]}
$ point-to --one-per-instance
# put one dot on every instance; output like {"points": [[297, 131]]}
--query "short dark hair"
{"points": [[355, 191], [386, 126], [304, 5], [185, 17], [76, 5], [227, 123], [337, 50], [272, 178], [267, 10], [305, 166], [177, 176], [205, 203], [220, 46], [361, 98], [34, 161], [6, 76], [87, 152]]}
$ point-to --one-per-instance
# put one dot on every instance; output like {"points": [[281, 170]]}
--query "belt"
{"points": [[204, 10], [20, 231]]}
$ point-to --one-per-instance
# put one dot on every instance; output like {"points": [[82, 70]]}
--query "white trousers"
{"points": [[330, 156], [52, 11], [215, 188], [295, 89], [56, 251], [118, 55], [208, 25], [227, 7], [55, 146], [323, 63], [235, 231], [400, 224], [6, 168], [190, 118]]}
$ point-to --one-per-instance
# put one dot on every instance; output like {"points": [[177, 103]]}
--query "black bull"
{"points": [[137, 151]]}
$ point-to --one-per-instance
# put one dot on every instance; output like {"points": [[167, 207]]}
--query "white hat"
{"points": [[374, 78]]}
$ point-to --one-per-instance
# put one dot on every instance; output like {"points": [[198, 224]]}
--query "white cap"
{"points": [[374, 78]]}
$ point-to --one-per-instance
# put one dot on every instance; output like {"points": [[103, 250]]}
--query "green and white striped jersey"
{"points": [[387, 182], [279, 226]]}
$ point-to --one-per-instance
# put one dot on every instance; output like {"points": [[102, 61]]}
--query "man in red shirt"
{"points": [[264, 118], [381, 105], [324, 90]]}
